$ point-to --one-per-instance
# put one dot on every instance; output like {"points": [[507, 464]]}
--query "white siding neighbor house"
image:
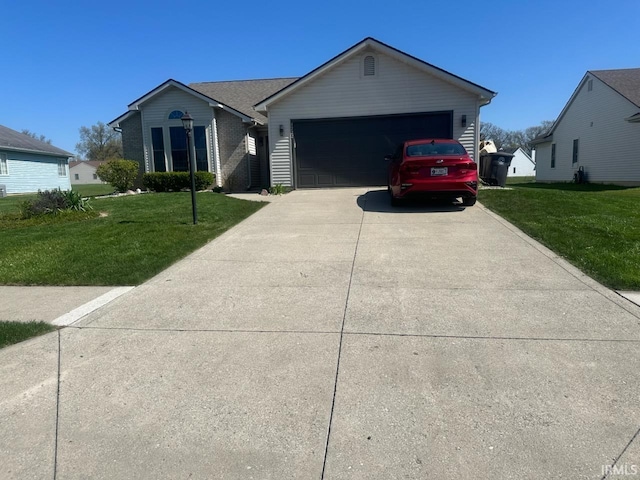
{"points": [[522, 165], [598, 131], [84, 173], [28, 165], [331, 127]]}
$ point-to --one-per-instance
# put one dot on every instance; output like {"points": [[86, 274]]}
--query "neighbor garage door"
{"points": [[350, 151]]}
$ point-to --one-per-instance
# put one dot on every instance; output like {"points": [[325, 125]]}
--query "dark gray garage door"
{"points": [[350, 151]]}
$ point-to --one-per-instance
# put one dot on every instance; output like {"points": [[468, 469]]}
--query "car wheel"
{"points": [[469, 201]]}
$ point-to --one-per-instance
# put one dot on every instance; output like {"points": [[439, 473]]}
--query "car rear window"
{"points": [[424, 149]]}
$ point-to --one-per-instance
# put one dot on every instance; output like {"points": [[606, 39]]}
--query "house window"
{"points": [[157, 141], [76, 176], [95, 176], [175, 115], [590, 85], [4, 167], [575, 151], [62, 168], [178, 137], [200, 142], [553, 155], [514, 170], [369, 66]]}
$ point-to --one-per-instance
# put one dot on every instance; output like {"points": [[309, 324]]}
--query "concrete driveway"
{"points": [[329, 336]]}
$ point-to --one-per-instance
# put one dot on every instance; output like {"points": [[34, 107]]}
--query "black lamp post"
{"points": [[187, 123]]}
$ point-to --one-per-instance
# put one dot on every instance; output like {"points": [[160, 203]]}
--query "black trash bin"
{"points": [[494, 167]]}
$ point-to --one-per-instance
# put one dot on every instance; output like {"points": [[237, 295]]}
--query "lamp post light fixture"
{"points": [[187, 123]]}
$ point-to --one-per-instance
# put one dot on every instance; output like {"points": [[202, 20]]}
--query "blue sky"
{"points": [[74, 63]]}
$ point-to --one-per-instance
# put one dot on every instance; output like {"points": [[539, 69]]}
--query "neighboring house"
{"points": [[598, 130], [82, 173], [331, 127], [28, 165], [522, 165]]}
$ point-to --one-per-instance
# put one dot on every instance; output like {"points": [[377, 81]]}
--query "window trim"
{"points": [[553, 155], [575, 151], [62, 168], [4, 160]]}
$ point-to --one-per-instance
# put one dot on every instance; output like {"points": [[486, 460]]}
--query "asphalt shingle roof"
{"points": [[242, 95], [625, 81], [19, 141]]}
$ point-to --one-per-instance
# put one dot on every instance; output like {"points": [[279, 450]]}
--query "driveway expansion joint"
{"points": [[55, 441]]}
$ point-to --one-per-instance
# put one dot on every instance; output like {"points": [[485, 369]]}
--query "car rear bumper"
{"points": [[441, 189]]}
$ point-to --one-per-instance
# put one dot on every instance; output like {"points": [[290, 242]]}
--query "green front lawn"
{"points": [[595, 227], [93, 189], [14, 332], [135, 238]]}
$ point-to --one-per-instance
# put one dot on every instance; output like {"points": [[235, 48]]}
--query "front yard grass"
{"points": [[595, 227], [136, 237], [14, 332]]}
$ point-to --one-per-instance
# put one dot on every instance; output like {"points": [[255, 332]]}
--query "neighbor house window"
{"points": [[176, 114], [157, 141], [575, 151], [200, 142], [553, 155], [62, 168], [369, 66], [76, 176], [95, 176], [4, 168]]}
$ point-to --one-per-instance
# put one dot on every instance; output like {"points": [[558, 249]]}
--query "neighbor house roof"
{"points": [[625, 81], [236, 97], [16, 141], [243, 94], [93, 163], [484, 94]]}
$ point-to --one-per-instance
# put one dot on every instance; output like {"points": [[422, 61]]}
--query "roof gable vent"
{"points": [[369, 66]]}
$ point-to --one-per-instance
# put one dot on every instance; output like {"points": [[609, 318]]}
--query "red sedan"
{"points": [[433, 168]]}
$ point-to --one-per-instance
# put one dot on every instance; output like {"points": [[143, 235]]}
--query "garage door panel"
{"points": [[351, 151]]}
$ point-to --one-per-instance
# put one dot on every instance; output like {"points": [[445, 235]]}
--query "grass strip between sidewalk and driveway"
{"points": [[595, 227], [134, 238], [15, 332]]}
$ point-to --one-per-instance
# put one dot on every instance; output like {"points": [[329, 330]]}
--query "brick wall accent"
{"points": [[233, 151], [132, 143]]}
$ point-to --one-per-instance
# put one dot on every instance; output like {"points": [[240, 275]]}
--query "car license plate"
{"points": [[439, 171]]}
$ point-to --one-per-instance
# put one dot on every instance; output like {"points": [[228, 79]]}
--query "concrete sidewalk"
{"points": [[330, 336]]}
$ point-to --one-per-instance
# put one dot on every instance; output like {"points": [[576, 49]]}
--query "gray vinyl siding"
{"points": [[544, 172], [343, 91], [28, 172], [155, 113], [609, 146]]}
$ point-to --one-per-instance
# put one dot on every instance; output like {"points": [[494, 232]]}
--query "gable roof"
{"points": [[243, 94], [93, 163], [236, 97], [484, 94], [624, 81], [16, 141]]}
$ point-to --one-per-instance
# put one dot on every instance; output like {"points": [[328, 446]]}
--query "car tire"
{"points": [[395, 202], [469, 201]]}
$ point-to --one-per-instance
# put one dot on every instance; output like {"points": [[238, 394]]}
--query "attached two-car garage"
{"points": [[334, 126], [350, 151]]}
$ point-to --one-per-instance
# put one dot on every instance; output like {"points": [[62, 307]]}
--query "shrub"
{"points": [[176, 181], [119, 173], [278, 189], [53, 202]]}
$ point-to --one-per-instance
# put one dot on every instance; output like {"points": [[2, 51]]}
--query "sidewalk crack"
{"points": [[55, 445]]}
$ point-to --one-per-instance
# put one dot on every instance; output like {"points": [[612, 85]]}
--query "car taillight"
{"points": [[409, 169]]}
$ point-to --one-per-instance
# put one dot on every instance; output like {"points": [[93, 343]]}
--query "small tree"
{"points": [[119, 173]]}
